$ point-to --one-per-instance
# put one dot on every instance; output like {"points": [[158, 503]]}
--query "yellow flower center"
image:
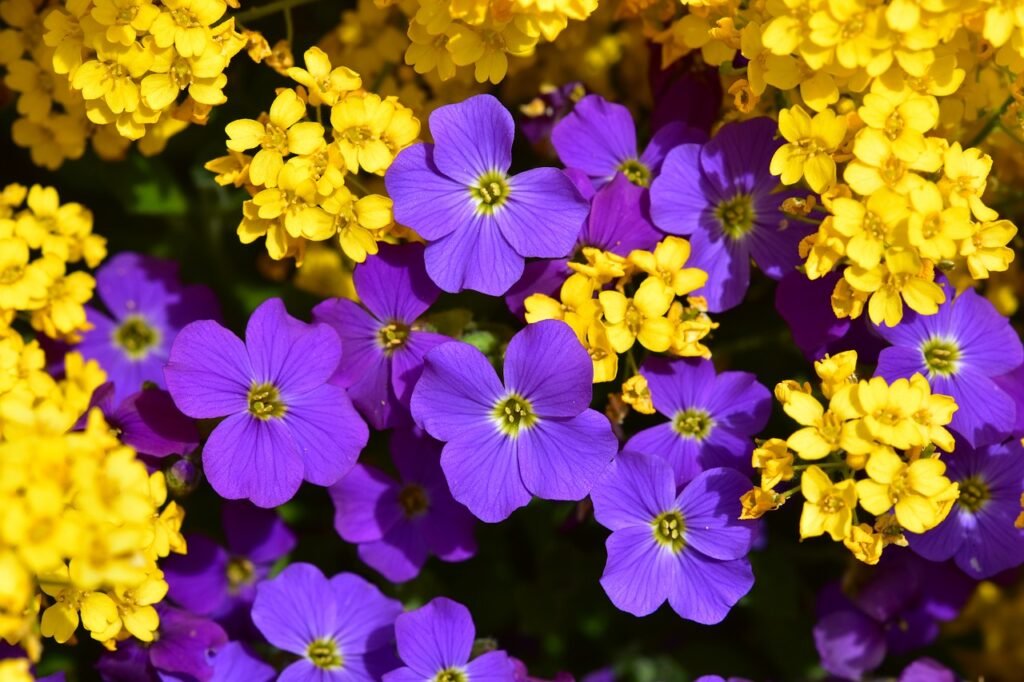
{"points": [[693, 423], [240, 571], [940, 356], [450, 675], [265, 402], [275, 138], [874, 226], [892, 170], [323, 653], [736, 216], [136, 337], [184, 18], [513, 414], [932, 226], [833, 504], [11, 274], [414, 500], [126, 15], [668, 530], [490, 192], [974, 493], [893, 125], [636, 171], [181, 73], [393, 336]]}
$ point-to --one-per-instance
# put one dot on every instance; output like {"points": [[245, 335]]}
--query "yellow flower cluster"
{"points": [[304, 186], [873, 445], [112, 71], [609, 321], [40, 243], [81, 519]]}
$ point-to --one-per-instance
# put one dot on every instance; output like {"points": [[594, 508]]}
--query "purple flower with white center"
{"points": [[285, 423], [343, 628], [534, 434], [713, 416], [479, 221], [979, 533], [722, 196], [599, 138], [690, 548], [220, 582], [435, 642], [398, 524], [383, 347], [961, 349], [148, 421], [146, 308]]}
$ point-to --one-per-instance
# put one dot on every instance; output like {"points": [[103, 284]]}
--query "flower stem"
{"points": [[990, 124], [268, 9]]}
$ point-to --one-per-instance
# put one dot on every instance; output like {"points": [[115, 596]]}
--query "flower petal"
{"points": [[436, 636], [472, 137], [633, 490], [327, 432], [639, 574], [710, 505], [543, 215], [457, 391], [706, 589], [561, 459], [295, 608], [546, 364], [483, 472], [208, 373]]}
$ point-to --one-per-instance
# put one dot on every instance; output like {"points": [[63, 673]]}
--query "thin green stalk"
{"points": [[269, 9], [990, 124]]}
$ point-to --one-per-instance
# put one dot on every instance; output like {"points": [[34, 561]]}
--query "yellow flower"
{"points": [[324, 84], [933, 229], [903, 116], [665, 264], [965, 172], [359, 222], [171, 73], [828, 507], [281, 134], [756, 502], [185, 24], [604, 357], [865, 544], [640, 318], [877, 164], [578, 308], [637, 394], [359, 121], [488, 47], [824, 431], [775, 461], [124, 19], [601, 266], [809, 148], [112, 76], [836, 371], [919, 491], [869, 226], [429, 52], [987, 251], [295, 200]]}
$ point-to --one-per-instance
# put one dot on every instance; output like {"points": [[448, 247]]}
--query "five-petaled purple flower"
{"points": [[979, 533], [689, 548], [532, 435], [722, 195], [148, 421], [382, 345], [435, 642], [480, 222], [961, 349], [398, 524], [713, 416], [284, 423], [146, 307], [342, 628]]}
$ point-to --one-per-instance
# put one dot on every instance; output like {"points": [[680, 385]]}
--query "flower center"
{"points": [[392, 336], [833, 504], [668, 530], [636, 171], [693, 423], [450, 675], [940, 356], [513, 414], [414, 500], [136, 336], [323, 653], [265, 402], [490, 192], [974, 493], [736, 216], [240, 571]]}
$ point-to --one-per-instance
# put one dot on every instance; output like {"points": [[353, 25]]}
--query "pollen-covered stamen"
{"points": [[636, 171], [451, 675], [669, 529], [135, 336], [490, 191], [414, 500], [393, 336], [265, 402], [974, 493], [324, 653], [941, 356], [240, 572], [693, 423], [514, 413], [736, 216]]}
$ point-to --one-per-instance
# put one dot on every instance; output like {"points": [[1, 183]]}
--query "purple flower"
{"points": [[221, 583], [688, 548], [961, 349], [435, 642], [480, 222], [544, 111], [722, 195], [927, 670], [148, 421], [234, 662], [599, 138], [398, 524], [342, 628], [146, 307], [285, 423], [979, 533], [532, 435], [713, 416], [383, 346]]}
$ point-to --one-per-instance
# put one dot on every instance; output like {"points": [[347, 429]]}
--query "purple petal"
{"points": [[475, 256], [184, 642], [472, 138], [679, 384], [399, 555], [738, 156], [617, 222], [198, 580], [927, 670], [941, 542], [296, 608], [289, 354], [539, 277], [253, 459], [457, 391], [543, 215], [365, 504], [436, 636], [739, 402], [634, 489], [682, 454], [727, 263], [546, 364], [986, 414], [235, 663], [849, 643], [706, 589], [407, 362], [368, 616], [774, 243], [448, 529], [258, 534], [725, 448], [483, 472], [424, 199], [208, 374], [132, 283], [806, 306], [394, 285], [682, 200], [667, 138], [150, 423], [639, 574], [710, 505], [493, 666], [402, 675], [358, 331], [896, 362], [560, 459], [327, 432], [596, 137]]}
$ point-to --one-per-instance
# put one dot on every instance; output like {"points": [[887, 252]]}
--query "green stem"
{"points": [[351, 180], [821, 465], [384, 72], [268, 9], [990, 124], [289, 26]]}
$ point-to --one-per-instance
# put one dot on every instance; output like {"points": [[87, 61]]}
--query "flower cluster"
{"points": [[874, 445], [304, 184]]}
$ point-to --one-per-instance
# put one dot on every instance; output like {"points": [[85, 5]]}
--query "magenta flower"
{"points": [[435, 642], [285, 423], [398, 524], [534, 434], [688, 548], [382, 343], [480, 223]]}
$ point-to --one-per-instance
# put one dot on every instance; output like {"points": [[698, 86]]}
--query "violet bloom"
{"points": [[435, 642], [146, 307], [342, 628], [532, 435], [382, 343], [148, 421], [480, 223], [599, 138], [547, 109], [234, 662], [219, 582], [285, 423], [398, 524], [961, 349], [927, 670], [721, 195], [713, 416], [979, 533], [690, 548]]}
